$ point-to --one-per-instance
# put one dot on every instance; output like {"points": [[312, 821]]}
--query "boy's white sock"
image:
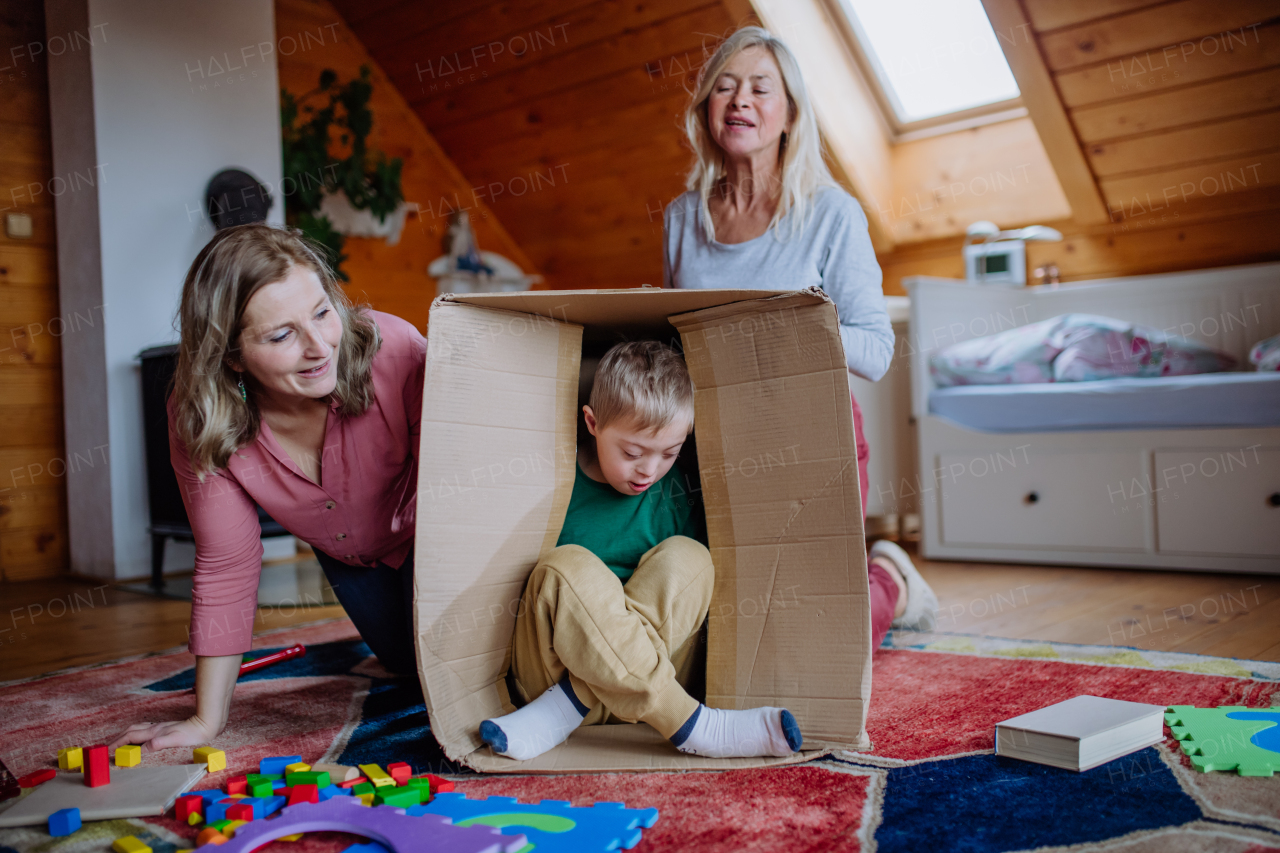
{"points": [[719, 733], [544, 723]]}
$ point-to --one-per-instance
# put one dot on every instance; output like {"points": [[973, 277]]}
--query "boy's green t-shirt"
{"points": [[620, 528]]}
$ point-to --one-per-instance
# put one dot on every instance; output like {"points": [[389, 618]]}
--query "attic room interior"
{"points": [[358, 355]]}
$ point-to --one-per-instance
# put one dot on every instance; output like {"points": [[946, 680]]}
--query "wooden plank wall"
{"points": [[1176, 106], [587, 91], [33, 525], [311, 36]]}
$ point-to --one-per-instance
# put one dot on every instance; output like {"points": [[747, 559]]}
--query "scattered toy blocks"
{"points": [[128, 756], [97, 770], [376, 775], [274, 765], [307, 777], [36, 777], [214, 812], [331, 791], [351, 783], [209, 835], [194, 819], [365, 799], [401, 798], [214, 759], [337, 772], [129, 844], [303, 794], [240, 811], [71, 758], [237, 785], [1246, 740], [64, 822], [187, 805], [296, 767], [400, 772], [552, 826], [219, 824], [438, 785], [264, 788], [232, 825], [363, 788]]}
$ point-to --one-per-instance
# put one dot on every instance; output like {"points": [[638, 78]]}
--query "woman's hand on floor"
{"points": [[153, 736]]}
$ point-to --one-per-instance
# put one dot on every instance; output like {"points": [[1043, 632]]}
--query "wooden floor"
{"points": [[50, 625]]}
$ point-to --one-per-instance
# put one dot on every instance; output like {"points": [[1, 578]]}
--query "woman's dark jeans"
{"points": [[379, 601]]}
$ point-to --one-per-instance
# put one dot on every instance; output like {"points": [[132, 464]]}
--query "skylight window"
{"points": [[932, 57]]}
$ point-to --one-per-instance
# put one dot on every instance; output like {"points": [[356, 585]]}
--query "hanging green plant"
{"points": [[369, 180]]}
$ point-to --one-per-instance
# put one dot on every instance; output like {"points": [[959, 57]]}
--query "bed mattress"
{"points": [[1172, 402]]}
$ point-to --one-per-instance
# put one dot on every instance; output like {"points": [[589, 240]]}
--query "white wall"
{"points": [[180, 90]]}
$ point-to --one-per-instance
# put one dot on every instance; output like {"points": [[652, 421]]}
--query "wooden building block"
{"points": [[303, 794], [97, 769], [36, 777], [209, 835], [129, 755], [376, 775], [213, 759], [237, 785], [339, 773], [129, 844], [64, 822], [187, 806], [400, 772], [240, 811], [71, 758], [296, 767]]}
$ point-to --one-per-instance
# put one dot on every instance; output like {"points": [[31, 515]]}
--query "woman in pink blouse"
{"points": [[288, 397]]}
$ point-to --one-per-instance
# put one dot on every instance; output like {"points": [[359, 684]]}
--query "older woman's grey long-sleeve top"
{"points": [[833, 252]]}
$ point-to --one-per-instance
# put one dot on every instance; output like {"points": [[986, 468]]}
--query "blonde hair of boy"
{"points": [[643, 383]]}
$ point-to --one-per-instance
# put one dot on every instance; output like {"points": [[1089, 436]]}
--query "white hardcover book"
{"points": [[1081, 733]]}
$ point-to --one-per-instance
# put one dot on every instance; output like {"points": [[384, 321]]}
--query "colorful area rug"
{"points": [[931, 781]]}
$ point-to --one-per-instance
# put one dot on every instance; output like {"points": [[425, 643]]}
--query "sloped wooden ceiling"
{"points": [[564, 114], [1175, 106]]}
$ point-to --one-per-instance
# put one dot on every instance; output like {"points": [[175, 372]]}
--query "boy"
{"points": [[610, 618]]}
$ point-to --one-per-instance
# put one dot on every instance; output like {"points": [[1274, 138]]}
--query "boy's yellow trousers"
{"points": [[629, 649]]}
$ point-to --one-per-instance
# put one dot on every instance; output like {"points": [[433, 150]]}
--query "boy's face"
{"points": [[631, 459]]}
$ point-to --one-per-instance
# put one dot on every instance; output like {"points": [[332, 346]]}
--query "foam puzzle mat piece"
{"points": [[384, 825], [552, 826], [1231, 737]]}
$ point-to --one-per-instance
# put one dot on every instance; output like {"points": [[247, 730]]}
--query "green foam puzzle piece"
{"points": [[1214, 740]]}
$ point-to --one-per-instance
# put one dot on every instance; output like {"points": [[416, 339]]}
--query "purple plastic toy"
{"points": [[388, 826]]}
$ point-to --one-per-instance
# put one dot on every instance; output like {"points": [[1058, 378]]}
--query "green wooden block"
{"points": [[308, 777], [263, 777], [364, 788], [424, 784], [262, 789], [220, 824], [399, 797]]}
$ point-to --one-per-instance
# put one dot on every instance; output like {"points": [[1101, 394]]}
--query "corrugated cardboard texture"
{"points": [[494, 478], [790, 617], [496, 470]]}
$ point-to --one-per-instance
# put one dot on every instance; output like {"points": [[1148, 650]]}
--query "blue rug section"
{"points": [[393, 724], [322, 659], [987, 804]]}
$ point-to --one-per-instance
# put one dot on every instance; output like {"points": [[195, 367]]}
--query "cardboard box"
{"points": [[790, 622]]}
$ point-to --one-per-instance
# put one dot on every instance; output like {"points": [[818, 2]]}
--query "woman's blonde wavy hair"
{"points": [[799, 151], [210, 416]]}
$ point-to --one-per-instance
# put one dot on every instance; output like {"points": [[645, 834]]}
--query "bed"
{"points": [[1177, 472]]}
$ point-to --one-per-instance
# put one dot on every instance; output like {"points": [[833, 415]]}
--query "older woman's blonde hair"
{"points": [[644, 384], [211, 418], [799, 151]]}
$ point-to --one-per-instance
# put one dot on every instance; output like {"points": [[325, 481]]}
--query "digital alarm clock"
{"points": [[998, 262]]}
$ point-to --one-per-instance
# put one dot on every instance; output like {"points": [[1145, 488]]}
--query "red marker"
{"points": [[295, 651]]}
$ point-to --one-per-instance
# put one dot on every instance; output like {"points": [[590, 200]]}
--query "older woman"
{"points": [[288, 397], [763, 211]]}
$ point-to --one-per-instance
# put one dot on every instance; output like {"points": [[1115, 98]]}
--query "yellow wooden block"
{"points": [[129, 844], [194, 818], [71, 758], [230, 829], [128, 756], [236, 797], [299, 767], [366, 799], [293, 837], [215, 759], [376, 775]]}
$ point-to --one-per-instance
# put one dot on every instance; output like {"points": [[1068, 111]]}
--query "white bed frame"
{"points": [[1203, 499]]}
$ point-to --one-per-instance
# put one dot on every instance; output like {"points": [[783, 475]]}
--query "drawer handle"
{"points": [[1034, 497], [1274, 499]]}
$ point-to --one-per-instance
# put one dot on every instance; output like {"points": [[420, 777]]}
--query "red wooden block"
{"points": [[237, 785], [97, 767], [186, 806], [303, 794], [240, 811], [438, 785], [351, 784], [38, 777], [400, 772]]}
